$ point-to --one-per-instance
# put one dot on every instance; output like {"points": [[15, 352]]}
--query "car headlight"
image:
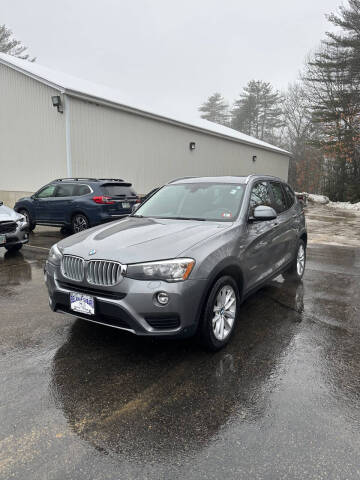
{"points": [[175, 270], [55, 254], [21, 220]]}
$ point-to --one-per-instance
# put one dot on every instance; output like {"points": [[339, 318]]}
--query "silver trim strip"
{"points": [[95, 321]]}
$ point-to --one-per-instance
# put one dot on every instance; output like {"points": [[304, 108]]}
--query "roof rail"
{"points": [[112, 179], [75, 179]]}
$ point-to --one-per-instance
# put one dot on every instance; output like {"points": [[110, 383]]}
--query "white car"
{"points": [[14, 230]]}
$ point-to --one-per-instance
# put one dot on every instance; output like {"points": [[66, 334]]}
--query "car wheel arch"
{"points": [[304, 238], [229, 266], [78, 212]]}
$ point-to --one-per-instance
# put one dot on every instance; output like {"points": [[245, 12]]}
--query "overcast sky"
{"points": [[171, 55]]}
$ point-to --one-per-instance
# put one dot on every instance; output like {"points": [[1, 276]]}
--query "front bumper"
{"points": [[131, 305], [20, 236]]}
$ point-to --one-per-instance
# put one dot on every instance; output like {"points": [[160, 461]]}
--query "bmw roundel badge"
{"points": [[92, 252]]}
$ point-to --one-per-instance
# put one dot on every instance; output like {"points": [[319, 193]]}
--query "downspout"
{"points": [[67, 135]]}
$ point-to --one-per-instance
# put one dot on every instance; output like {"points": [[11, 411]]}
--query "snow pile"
{"points": [[320, 199], [323, 200], [345, 205]]}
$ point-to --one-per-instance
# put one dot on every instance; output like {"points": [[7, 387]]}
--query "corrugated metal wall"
{"points": [[32, 133], [109, 142]]}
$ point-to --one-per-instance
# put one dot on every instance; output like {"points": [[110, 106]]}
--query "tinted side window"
{"points": [[259, 196], [65, 190], [280, 204], [114, 190], [47, 192], [81, 190], [290, 195]]}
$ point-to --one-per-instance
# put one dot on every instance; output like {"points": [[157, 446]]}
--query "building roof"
{"points": [[80, 88]]}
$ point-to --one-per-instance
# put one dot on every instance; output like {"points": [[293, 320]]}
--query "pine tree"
{"points": [[333, 82], [215, 109], [11, 46], [257, 112]]}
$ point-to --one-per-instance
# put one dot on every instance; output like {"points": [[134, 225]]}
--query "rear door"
{"points": [[286, 235], [121, 197], [64, 196], [261, 240]]}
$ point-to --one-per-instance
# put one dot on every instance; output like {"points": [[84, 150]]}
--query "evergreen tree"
{"points": [[11, 46], [258, 112], [215, 109], [333, 84]]}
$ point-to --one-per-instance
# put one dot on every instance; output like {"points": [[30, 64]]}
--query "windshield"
{"points": [[199, 201]]}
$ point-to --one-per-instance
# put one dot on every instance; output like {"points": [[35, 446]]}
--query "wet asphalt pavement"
{"points": [[80, 401]]}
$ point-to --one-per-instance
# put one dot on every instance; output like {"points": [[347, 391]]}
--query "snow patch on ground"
{"points": [[345, 205], [323, 200]]}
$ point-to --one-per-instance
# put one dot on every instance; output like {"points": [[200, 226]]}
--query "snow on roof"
{"points": [[102, 94]]}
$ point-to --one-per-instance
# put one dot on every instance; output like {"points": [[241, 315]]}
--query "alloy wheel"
{"points": [[224, 312], [300, 261], [80, 223]]}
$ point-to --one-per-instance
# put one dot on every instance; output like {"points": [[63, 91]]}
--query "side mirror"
{"points": [[263, 212], [135, 207]]}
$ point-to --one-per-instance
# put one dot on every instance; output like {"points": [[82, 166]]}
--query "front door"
{"points": [[42, 201], [260, 251]]}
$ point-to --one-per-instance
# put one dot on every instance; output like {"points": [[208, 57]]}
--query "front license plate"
{"points": [[2, 239], [126, 205], [82, 303]]}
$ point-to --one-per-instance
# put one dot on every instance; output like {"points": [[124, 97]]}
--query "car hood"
{"points": [[136, 239], [7, 214]]}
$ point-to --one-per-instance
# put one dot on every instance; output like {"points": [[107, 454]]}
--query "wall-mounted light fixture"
{"points": [[56, 101], [254, 158], [192, 145]]}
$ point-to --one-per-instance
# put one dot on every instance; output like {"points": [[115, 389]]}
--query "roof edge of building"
{"points": [[137, 111]]}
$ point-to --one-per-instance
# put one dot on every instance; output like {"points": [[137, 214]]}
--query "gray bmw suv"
{"points": [[183, 262]]}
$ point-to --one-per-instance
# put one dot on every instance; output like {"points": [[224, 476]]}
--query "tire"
{"points": [[296, 270], [215, 334], [66, 230], [13, 248], [29, 219], [79, 223]]}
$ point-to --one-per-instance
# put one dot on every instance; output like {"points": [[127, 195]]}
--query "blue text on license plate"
{"points": [[82, 303]]}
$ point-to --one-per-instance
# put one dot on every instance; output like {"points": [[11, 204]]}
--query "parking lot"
{"points": [[80, 401]]}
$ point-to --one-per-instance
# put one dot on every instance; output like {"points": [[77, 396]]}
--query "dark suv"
{"points": [[78, 203]]}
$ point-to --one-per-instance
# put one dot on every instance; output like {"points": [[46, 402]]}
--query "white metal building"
{"points": [[95, 133]]}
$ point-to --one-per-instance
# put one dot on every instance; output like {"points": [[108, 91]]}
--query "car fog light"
{"points": [[162, 298]]}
